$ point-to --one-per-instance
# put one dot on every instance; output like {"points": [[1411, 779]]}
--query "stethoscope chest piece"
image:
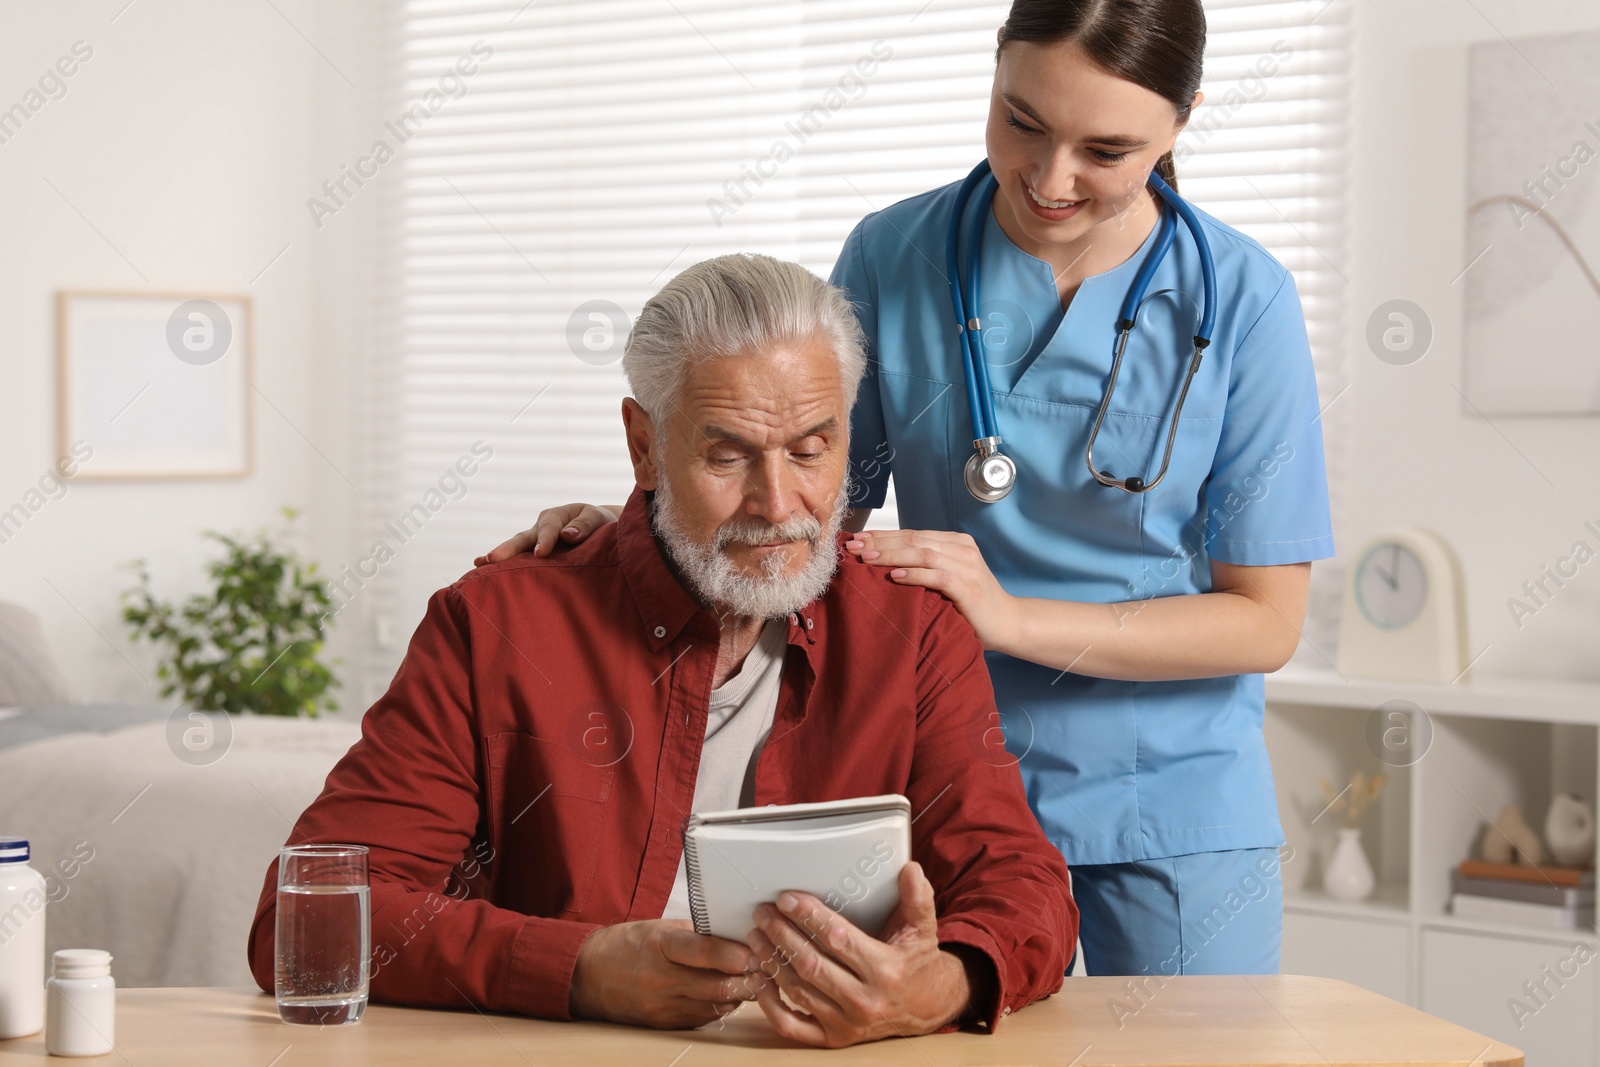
{"points": [[990, 475]]}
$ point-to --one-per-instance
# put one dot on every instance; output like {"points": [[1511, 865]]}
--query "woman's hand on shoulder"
{"points": [[951, 563], [570, 523]]}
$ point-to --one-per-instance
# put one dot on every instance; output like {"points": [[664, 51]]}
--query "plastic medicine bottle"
{"points": [[22, 901], [83, 1003]]}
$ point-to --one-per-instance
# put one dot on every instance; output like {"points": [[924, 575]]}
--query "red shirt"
{"points": [[527, 776]]}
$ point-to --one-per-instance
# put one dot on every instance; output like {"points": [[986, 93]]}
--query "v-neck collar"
{"points": [[1137, 257], [1009, 258]]}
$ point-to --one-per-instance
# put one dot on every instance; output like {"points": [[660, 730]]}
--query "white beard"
{"points": [[714, 578]]}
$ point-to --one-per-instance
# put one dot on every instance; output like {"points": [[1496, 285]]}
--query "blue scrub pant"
{"points": [[1204, 913]]}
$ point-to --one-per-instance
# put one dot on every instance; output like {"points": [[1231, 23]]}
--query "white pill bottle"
{"points": [[83, 1003], [22, 901]]}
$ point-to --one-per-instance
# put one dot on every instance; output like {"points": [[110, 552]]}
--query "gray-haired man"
{"points": [[706, 651]]}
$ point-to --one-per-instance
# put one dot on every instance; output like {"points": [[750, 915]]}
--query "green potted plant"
{"points": [[254, 643]]}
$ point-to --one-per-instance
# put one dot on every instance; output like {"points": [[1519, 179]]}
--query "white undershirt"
{"points": [[737, 724]]}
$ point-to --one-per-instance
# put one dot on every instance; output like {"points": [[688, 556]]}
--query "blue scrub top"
{"points": [[1116, 771]]}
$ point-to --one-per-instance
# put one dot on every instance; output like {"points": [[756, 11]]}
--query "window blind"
{"points": [[599, 146], [1268, 153]]}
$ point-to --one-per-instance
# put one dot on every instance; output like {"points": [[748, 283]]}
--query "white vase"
{"points": [[1349, 876], [1569, 831]]}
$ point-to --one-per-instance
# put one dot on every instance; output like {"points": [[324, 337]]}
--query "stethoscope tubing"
{"points": [[965, 293], [958, 299]]}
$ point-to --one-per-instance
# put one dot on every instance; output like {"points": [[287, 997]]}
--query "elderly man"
{"points": [[524, 783]]}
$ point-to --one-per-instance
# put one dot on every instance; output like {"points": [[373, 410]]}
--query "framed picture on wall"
{"points": [[1532, 304], [158, 385]]}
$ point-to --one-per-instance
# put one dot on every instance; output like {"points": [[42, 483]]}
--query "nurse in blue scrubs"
{"points": [[1127, 632]]}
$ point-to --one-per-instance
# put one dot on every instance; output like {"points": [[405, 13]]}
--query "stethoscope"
{"points": [[990, 474]]}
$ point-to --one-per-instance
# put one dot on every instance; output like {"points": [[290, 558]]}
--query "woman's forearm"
{"points": [[1251, 626]]}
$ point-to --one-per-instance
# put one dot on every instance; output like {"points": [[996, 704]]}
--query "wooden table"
{"points": [[1193, 1021]]}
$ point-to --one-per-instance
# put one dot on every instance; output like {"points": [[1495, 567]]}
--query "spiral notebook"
{"points": [[848, 853]]}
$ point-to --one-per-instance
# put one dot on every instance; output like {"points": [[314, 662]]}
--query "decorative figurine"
{"points": [[1511, 836]]}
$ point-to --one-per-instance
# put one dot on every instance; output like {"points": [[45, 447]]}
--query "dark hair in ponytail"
{"points": [[1156, 44]]}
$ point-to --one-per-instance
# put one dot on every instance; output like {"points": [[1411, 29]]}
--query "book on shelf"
{"points": [[1522, 913], [1537, 874], [1531, 892]]}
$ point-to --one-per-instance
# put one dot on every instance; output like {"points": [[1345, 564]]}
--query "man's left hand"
{"points": [[850, 986]]}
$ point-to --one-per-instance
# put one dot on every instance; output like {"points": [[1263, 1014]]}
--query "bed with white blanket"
{"points": [[156, 857]]}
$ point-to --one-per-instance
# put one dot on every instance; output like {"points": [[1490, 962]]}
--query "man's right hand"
{"points": [[570, 523], [660, 973]]}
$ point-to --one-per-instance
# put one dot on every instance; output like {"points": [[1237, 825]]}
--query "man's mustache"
{"points": [[755, 532]]}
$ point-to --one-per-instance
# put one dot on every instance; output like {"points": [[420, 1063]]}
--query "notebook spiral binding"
{"points": [[691, 864]]}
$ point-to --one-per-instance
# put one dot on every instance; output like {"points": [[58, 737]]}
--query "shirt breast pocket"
{"points": [[1132, 437], [547, 809]]}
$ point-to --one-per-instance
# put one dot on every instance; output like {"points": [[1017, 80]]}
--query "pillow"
{"points": [[28, 673]]}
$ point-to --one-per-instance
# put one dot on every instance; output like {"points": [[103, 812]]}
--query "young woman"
{"points": [[1129, 608]]}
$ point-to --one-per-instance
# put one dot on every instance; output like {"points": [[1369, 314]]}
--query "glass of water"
{"points": [[324, 934]]}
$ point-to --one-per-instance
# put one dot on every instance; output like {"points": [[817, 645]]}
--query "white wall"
{"points": [[1415, 457], [190, 141]]}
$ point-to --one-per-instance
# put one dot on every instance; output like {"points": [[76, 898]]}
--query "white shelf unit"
{"points": [[1493, 743]]}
